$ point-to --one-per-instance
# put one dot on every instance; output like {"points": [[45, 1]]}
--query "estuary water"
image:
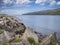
{"points": [[42, 23]]}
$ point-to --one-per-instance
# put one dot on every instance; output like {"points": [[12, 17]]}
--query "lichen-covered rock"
{"points": [[30, 33], [10, 24], [21, 43], [49, 39], [58, 41], [1, 38]]}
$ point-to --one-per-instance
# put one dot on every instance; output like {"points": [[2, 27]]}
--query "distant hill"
{"points": [[45, 12]]}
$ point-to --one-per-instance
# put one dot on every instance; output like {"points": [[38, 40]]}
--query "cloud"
{"points": [[52, 2], [18, 2], [7, 1], [40, 1], [26, 2], [13, 11], [43, 2], [22, 2], [58, 3]]}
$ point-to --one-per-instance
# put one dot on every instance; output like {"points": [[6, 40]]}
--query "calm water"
{"points": [[44, 24]]}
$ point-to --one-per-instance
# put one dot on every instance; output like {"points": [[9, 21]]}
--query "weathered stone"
{"points": [[16, 43], [50, 38], [8, 36], [15, 29], [1, 38], [58, 41], [10, 24], [29, 33], [24, 42], [40, 36], [12, 27]]}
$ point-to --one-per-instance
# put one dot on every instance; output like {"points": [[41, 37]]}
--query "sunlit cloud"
{"points": [[50, 2], [7, 1], [16, 2], [22, 2], [58, 3], [26, 2]]}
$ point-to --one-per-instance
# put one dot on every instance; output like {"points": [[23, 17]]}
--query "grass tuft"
{"points": [[17, 40], [32, 41], [1, 31]]}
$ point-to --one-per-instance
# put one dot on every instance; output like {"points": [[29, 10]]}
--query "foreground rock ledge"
{"points": [[15, 29], [11, 26]]}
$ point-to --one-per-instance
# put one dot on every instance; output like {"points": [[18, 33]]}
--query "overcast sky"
{"points": [[17, 7]]}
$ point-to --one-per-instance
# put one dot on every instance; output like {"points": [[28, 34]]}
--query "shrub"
{"points": [[32, 41], [53, 43], [1, 31], [17, 40], [4, 43]]}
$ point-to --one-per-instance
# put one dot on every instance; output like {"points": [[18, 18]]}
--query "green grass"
{"points": [[4, 43], [1, 31], [32, 41], [17, 40], [53, 43]]}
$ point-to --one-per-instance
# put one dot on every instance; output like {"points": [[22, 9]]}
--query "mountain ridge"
{"points": [[45, 12]]}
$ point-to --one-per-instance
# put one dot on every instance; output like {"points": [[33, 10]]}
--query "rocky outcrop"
{"points": [[30, 33], [11, 24], [8, 36], [59, 41], [40, 36], [1, 38], [49, 39], [15, 29], [24, 42]]}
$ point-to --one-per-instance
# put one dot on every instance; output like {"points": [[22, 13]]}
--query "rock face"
{"points": [[8, 36], [58, 41], [10, 24], [15, 29], [50, 38], [11, 27], [30, 33], [1, 38], [21, 43]]}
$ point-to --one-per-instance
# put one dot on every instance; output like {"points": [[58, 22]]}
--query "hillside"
{"points": [[45, 12]]}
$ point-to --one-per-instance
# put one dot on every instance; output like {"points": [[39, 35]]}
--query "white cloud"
{"points": [[43, 2], [58, 3], [22, 2], [52, 2], [7, 1], [16, 2], [40, 1]]}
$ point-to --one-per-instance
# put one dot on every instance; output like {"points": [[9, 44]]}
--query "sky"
{"points": [[18, 7]]}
